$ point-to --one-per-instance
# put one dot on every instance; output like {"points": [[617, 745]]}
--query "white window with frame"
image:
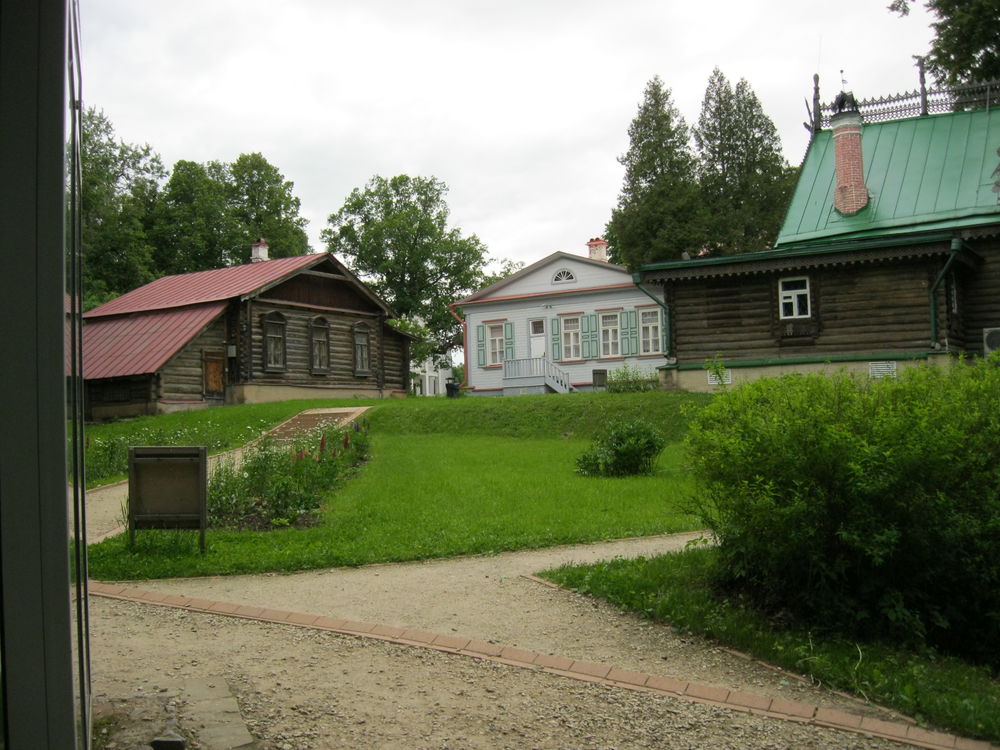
{"points": [[362, 349], [571, 338], [494, 333], [793, 298], [610, 335], [274, 342], [649, 333]]}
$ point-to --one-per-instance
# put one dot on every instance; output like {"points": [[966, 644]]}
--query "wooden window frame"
{"points": [[494, 344], [611, 343], [274, 328], [648, 342], [361, 335], [567, 344], [319, 330], [794, 298]]}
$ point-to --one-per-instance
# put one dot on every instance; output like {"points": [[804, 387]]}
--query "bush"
{"points": [[627, 379], [625, 449], [867, 506], [277, 485]]}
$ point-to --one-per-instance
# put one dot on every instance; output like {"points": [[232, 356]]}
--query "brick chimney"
{"points": [[850, 194], [598, 249], [258, 251]]}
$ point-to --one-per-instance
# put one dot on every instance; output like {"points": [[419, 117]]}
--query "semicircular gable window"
{"points": [[563, 276], [274, 326]]}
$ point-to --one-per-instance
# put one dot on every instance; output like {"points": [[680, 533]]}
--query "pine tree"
{"points": [[743, 177], [658, 216]]}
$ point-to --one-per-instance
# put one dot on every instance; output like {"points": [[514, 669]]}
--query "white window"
{"points": [[650, 331], [362, 349], [495, 336], [571, 338], [537, 327], [793, 297], [563, 276], [610, 338]]}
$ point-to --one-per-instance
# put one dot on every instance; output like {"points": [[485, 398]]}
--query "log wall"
{"points": [[182, 378], [859, 308]]}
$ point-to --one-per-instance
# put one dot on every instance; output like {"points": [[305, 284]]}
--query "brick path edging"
{"points": [[604, 674]]}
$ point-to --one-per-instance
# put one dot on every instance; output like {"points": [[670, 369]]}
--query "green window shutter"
{"points": [[508, 340], [481, 345], [556, 339], [630, 333], [590, 344]]}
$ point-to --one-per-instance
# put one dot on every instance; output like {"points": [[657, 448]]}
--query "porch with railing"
{"points": [[535, 371]]}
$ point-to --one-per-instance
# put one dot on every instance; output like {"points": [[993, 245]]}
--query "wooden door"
{"points": [[214, 369]]}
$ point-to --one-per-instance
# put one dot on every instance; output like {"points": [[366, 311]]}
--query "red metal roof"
{"points": [[195, 288], [144, 341]]}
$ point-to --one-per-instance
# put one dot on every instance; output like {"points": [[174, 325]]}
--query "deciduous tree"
{"points": [[966, 44], [120, 183], [394, 233]]}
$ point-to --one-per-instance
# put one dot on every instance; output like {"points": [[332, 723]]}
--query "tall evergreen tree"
{"points": [[659, 215], [744, 179]]}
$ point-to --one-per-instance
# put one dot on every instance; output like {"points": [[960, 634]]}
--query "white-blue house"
{"points": [[560, 325]]}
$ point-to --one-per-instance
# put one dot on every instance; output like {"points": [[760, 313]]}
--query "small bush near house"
{"points": [[628, 379], [871, 508], [627, 448], [278, 485]]}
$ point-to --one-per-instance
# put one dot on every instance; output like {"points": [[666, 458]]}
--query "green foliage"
{"points": [[678, 589], [626, 448], [866, 506], [136, 228], [744, 179], [395, 234], [966, 44], [628, 379], [262, 204], [276, 485], [659, 212]]}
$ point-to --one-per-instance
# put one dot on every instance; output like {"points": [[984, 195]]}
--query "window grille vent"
{"points": [[878, 370], [726, 379]]}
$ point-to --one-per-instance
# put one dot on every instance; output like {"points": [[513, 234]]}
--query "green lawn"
{"points": [[487, 481]]}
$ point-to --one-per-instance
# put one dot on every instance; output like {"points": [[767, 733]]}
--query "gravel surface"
{"points": [[305, 689]]}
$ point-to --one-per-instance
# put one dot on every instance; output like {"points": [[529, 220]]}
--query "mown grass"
{"points": [[576, 415], [677, 589], [425, 496]]}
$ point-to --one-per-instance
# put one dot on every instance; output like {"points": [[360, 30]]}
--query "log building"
{"points": [[299, 327]]}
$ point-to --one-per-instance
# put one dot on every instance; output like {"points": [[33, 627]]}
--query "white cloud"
{"points": [[520, 106]]}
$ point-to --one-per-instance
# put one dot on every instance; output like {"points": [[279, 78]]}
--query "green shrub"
{"points": [[278, 485], [627, 448], [627, 379], [872, 507]]}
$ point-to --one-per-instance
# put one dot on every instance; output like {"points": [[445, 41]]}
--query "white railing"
{"points": [[537, 367]]}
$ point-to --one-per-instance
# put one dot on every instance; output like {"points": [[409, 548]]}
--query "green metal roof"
{"points": [[934, 172]]}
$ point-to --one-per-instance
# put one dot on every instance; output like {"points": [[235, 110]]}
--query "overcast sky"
{"points": [[520, 106]]}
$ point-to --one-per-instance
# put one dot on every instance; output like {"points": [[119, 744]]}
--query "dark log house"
{"points": [[299, 327]]}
